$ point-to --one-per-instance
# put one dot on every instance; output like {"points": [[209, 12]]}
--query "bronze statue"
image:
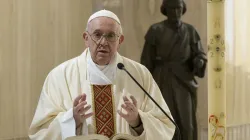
{"points": [[174, 55]]}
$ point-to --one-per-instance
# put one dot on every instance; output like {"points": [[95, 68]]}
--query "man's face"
{"points": [[174, 10], [103, 39]]}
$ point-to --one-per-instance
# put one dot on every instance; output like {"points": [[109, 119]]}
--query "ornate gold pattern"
{"points": [[104, 118]]}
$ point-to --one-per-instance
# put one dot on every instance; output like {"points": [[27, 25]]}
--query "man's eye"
{"points": [[110, 35], [98, 34]]}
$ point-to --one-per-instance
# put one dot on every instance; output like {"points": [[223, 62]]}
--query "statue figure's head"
{"points": [[173, 9]]}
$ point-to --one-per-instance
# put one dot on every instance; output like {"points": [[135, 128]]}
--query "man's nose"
{"points": [[103, 40]]}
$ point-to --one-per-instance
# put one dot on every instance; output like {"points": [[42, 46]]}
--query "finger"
{"points": [[130, 105], [88, 115], [128, 109], [85, 109], [125, 98], [83, 98], [80, 106], [128, 102], [77, 99], [133, 100], [123, 115]]}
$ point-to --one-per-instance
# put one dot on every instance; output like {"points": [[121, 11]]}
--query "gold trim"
{"points": [[113, 105], [114, 109], [93, 105]]}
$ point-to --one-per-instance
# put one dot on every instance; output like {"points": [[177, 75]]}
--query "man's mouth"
{"points": [[103, 51]]}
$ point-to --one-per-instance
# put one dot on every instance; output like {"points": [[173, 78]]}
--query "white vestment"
{"points": [[54, 114]]}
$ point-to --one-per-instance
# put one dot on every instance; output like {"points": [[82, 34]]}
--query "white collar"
{"points": [[98, 74]]}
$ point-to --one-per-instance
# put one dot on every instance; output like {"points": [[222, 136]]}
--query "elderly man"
{"points": [[88, 94]]}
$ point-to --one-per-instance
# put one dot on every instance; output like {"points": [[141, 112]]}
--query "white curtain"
{"points": [[237, 22], [35, 36]]}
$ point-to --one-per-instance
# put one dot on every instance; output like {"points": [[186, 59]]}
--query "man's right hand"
{"points": [[80, 108]]}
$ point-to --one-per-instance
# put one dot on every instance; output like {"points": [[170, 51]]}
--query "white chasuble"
{"points": [[53, 119]]}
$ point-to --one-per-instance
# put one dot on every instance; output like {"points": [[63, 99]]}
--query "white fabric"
{"points": [[98, 76], [70, 79], [67, 123], [237, 35], [104, 13]]}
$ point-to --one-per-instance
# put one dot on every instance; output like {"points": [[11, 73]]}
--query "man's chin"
{"points": [[103, 61]]}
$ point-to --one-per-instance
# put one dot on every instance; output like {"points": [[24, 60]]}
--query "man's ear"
{"points": [[85, 36], [121, 39]]}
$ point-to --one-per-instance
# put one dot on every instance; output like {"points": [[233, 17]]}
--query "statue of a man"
{"points": [[174, 55]]}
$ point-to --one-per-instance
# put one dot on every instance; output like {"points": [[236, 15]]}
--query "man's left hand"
{"points": [[132, 116]]}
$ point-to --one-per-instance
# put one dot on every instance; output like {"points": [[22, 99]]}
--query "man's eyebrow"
{"points": [[112, 32], [97, 30]]}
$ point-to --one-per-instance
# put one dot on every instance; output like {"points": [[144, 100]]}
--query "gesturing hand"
{"points": [[80, 108], [132, 116]]}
